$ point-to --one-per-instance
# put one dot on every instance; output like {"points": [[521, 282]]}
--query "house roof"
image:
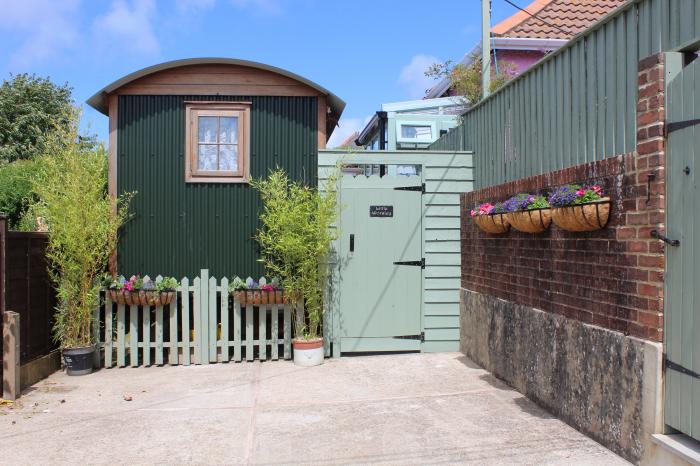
{"points": [[99, 100], [540, 18]]}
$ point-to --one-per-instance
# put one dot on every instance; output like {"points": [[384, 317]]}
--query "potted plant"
{"points": [[579, 208], [528, 213], [160, 292], [295, 242], [256, 293], [83, 222], [490, 218], [123, 291]]}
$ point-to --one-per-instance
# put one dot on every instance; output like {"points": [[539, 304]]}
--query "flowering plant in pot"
{"points": [[295, 242], [490, 218], [580, 208], [83, 222], [528, 213], [250, 291]]}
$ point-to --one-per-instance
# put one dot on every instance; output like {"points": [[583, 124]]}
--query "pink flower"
{"points": [[485, 209], [472, 213], [581, 192], [267, 288], [597, 189]]}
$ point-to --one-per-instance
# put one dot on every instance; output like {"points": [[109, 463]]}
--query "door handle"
{"points": [[664, 238], [352, 242]]}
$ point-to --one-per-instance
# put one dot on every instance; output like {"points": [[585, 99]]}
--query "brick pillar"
{"points": [[647, 180]]}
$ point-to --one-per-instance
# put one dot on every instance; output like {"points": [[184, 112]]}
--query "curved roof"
{"points": [[99, 100]]}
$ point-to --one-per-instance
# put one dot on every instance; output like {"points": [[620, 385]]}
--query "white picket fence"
{"points": [[202, 325]]}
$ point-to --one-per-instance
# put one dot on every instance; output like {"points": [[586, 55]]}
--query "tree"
{"points": [[31, 108], [465, 79], [83, 224]]}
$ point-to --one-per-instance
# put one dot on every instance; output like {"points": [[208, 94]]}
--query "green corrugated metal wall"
{"points": [[180, 228], [579, 104]]}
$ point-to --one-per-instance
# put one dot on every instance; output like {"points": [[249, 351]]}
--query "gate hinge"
{"points": [[420, 337], [668, 364], [670, 127], [420, 188], [420, 263]]}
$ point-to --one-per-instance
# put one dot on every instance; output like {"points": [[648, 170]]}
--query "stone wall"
{"points": [[574, 320]]}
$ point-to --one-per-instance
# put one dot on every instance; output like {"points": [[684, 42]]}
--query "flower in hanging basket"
{"points": [[490, 218], [580, 208], [528, 213], [255, 293]]}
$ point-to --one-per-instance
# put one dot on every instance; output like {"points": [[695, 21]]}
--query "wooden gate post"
{"points": [[10, 356]]}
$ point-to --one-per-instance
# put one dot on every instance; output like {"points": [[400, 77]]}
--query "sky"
{"points": [[367, 52]]}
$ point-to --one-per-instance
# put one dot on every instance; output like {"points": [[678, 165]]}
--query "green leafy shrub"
{"points": [[16, 190], [295, 241], [83, 222]]}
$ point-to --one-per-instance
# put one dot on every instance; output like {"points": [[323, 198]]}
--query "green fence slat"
{"points": [[147, 336], [213, 323], [121, 340], [204, 316], [262, 332], [274, 332], [159, 335], [134, 336], [249, 332], [224, 320], [173, 343], [197, 313], [287, 331], [109, 310], [185, 318], [237, 332]]}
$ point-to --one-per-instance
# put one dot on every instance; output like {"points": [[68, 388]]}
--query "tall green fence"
{"points": [[579, 103]]}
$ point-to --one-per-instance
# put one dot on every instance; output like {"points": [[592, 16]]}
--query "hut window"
{"points": [[217, 142]]}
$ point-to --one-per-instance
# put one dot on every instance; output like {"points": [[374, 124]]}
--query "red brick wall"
{"points": [[612, 277]]}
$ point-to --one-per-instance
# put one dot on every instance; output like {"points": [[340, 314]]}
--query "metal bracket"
{"points": [[664, 238], [420, 337], [668, 364], [420, 188], [420, 263]]}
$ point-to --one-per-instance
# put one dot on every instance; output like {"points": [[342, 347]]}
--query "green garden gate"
{"points": [[395, 284], [682, 300]]}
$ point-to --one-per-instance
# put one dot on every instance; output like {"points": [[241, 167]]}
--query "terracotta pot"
{"points": [[308, 352], [495, 224], [530, 221], [584, 217]]}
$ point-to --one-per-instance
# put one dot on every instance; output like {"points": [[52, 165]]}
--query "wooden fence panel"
{"points": [[218, 326]]}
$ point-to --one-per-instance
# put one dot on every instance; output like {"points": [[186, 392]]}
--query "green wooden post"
{"points": [[109, 309], [274, 334], [287, 331], [134, 336], [204, 317], [173, 351], [213, 324], [121, 325], [224, 320], [262, 332], [197, 313], [237, 334], [147, 336], [159, 335], [185, 299], [249, 332]]}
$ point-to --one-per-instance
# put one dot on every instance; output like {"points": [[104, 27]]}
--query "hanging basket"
{"points": [[117, 296], [583, 217], [495, 224], [159, 298], [257, 297], [530, 221]]}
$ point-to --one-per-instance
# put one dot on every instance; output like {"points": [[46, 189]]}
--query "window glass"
{"points": [[228, 130], [418, 132], [207, 157], [207, 129], [228, 157]]}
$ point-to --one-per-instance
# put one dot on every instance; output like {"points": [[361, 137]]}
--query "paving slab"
{"points": [[391, 409]]}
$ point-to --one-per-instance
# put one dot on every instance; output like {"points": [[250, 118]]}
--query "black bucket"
{"points": [[78, 360]]}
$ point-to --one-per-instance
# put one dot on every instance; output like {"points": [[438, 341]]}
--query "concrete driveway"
{"points": [[402, 409]]}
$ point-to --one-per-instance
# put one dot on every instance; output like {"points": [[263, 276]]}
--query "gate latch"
{"points": [[420, 263], [420, 337], [664, 238], [420, 188]]}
